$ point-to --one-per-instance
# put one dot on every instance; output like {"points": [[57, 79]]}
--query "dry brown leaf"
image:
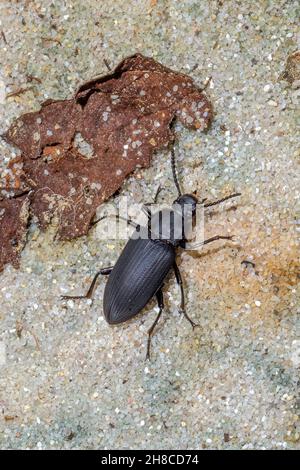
{"points": [[76, 153], [14, 214]]}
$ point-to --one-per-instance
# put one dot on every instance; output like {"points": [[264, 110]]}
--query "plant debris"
{"points": [[21, 326], [119, 121], [3, 37], [18, 92], [292, 70], [14, 215]]}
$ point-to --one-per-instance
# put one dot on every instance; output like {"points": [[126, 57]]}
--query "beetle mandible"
{"points": [[144, 263]]}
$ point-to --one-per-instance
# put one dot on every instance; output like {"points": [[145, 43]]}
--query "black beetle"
{"points": [[144, 263]]}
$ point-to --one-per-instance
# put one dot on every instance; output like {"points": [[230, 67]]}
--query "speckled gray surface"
{"points": [[234, 382]]}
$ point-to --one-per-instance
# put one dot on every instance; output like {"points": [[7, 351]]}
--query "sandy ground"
{"points": [[71, 380]]}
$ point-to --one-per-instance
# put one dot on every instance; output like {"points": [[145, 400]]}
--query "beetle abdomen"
{"points": [[136, 277]]}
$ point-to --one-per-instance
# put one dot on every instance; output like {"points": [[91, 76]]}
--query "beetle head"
{"points": [[187, 200]]}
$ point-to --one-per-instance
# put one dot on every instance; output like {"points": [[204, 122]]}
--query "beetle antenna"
{"points": [[173, 163]]}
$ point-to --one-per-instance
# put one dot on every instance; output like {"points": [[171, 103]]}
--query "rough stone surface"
{"points": [[234, 382]]}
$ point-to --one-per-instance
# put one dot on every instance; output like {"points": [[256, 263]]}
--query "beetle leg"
{"points": [[146, 211], [158, 191], [118, 217], [217, 237], [160, 301], [209, 204], [88, 295], [182, 304], [190, 246]]}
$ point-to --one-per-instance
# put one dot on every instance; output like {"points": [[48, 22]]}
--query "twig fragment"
{"points": [[18, 92]]}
